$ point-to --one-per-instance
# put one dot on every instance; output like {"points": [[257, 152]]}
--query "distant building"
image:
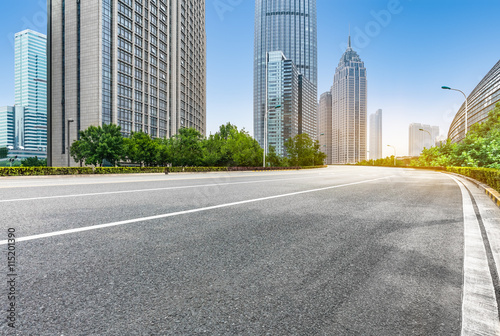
{"points": [[418, 140], [325, 125], [31, 91], [296, 97], [376, 135], [349, 108], [481, 101], [138, 64], [7, 131], [288, 26]]}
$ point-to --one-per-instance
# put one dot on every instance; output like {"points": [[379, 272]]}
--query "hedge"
{"points": [[25, 171], [18, 171], [128, 170], [488, 176]]}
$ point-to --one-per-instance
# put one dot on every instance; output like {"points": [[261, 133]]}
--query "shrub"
{"points": [[488, 176]]}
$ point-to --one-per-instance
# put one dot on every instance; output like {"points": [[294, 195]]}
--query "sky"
{"points": [[410, 48]]}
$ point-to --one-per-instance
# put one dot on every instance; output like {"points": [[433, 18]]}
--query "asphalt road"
{"points": [[336, 251]]}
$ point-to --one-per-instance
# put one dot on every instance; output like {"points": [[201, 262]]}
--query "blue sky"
{"points": [[409, 55]]}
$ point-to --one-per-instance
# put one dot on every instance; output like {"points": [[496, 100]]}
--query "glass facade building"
{"points": [[349, 109], [283, 90], [288, 26], [325, 125], [31, 90], [140, 64], [481, 101], [376, 135], [7, 119]]}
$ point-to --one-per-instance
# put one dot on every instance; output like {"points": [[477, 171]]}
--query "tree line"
{"points": [[228, 147], [480, 148]]}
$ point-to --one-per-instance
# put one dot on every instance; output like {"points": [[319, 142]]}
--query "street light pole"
{"points": [[69, 141], [394, 154], [466, 105], [430, 135]]}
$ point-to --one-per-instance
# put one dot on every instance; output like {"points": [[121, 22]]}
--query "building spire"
{"points": [[349, 42]]}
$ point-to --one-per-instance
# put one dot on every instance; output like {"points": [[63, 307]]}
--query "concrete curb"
{"points": [[492, 193]]}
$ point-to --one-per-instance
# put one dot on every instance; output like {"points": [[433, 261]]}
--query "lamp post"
{"points": [[265, 133], [466, 104], [430, 135], [69, 141], [394, 154]]}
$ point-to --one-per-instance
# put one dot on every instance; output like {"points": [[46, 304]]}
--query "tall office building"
{"points": [[7, 117], [376, 135], [349, 109], [325, 125], [31, 90], [288, 26], [140, 64], [296, 98], [419, 139]]}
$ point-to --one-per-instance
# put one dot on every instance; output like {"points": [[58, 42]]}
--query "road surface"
{"points": [[335, 251]]}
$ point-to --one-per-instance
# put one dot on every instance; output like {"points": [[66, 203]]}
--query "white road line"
{"points": [[153, 189], [143, 219], [479, 306], [213, 175]]}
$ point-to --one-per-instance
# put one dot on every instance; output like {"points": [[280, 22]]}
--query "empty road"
{"points": [[335, 251]]}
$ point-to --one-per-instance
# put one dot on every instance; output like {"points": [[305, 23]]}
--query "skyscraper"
{"points": [[140, 64], [288, 26], [376, 135], [31, 90], [419, 139], [296, 98], [349, 109], [325, 125], [7, 117]]}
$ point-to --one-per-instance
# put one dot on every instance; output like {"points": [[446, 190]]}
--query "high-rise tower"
{"points": [[349, 109], [376, 135], [325, 125], [140, 64], [288, 26], [31, 90]]}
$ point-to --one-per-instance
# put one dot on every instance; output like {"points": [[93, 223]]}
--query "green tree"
{"points": [[164, 153], [231, 147], [303, 151], [97, 144], [187, 148], [34, 162], [140, 148], [273, 159], [77, 152], [4, 151]]}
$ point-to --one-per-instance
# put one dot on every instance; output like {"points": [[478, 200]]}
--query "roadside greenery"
{"points": [[34, 162], [229, 147], [479, 149]]}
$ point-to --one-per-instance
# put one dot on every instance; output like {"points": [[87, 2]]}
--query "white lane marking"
{"points": [[153, 189], [143, 219], [213, 175], [479, 306]]}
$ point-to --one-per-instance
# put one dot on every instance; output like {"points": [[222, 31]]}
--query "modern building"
{"points": [[296, 97], [376, 135], [325, 125], [140, 64], [288, 26], [418, 140], [31, 91], [349, 109], [7, 130], [480, 102]]}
